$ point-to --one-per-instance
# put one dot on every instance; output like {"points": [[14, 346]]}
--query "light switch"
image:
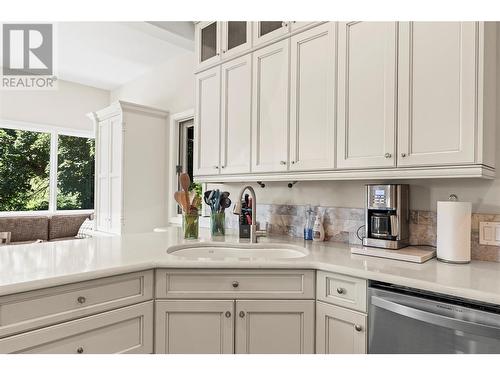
{"points": [[489, 233]]}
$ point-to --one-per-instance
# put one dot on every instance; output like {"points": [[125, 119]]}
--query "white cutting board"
{"points": [[412, 254]]}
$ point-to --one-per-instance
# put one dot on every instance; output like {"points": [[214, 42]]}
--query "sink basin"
{"points": [[215, 251]]}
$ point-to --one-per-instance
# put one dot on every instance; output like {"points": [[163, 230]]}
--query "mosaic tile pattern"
{"points": [[341, 224]]}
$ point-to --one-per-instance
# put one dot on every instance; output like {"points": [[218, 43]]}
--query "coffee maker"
{"points": [[387, 216]]}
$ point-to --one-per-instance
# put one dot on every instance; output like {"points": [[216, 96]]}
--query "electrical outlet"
{"points": [[489, 233]]}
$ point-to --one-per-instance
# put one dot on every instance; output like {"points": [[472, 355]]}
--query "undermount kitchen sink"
{"points": [[237, 251]]}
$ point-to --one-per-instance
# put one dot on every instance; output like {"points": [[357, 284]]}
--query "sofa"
{"points": [[28, 229]]}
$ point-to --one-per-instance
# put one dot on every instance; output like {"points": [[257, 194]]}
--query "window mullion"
{"points": [[53, 171]]}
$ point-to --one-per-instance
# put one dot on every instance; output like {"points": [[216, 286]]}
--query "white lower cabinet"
{"points": [[194, 327], [339, 330], [228, 326], [275, 327], [125, 330]]}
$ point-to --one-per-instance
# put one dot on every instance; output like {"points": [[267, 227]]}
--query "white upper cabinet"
{"points": [[270, 108], [437, 93], [207, 122], [236, 115], [236, 37], [208, 43], [312, 135], [367, 94], [266, 31]]}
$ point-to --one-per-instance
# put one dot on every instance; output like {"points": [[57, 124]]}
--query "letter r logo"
{"points": [[27, 49]]}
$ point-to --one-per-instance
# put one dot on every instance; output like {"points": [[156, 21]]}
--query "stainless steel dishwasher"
{"points": [[412, 321]]}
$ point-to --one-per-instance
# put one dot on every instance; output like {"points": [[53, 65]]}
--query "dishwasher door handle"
{"points": [[436, 319]]}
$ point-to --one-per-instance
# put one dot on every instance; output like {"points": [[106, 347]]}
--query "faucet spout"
{"points": [[237, 210]]}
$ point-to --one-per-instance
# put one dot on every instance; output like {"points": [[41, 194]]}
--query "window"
{"points": [[24, 170], [45, 168], [185, 158], [75, 173]]}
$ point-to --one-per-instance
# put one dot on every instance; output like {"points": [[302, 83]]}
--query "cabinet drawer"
{"points": [[126, 330], [26, 311], [342, 290], [206, 284]]}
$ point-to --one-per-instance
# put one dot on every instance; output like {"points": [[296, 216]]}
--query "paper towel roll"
{"points": [[453, 231]]}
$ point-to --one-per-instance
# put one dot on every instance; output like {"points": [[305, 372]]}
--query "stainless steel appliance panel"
{"points": [[407, 321]]}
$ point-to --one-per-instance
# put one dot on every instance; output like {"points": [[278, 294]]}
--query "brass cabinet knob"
{"points": [[358, 328], [79, 350], [235, 284], [242, 314], [228, 314], [81, 300]]}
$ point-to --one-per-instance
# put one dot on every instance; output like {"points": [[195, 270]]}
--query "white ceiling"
{"points": [[109, 54]]}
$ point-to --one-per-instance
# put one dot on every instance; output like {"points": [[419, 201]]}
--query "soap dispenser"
{"points": [[318, 228], [308, 223]]}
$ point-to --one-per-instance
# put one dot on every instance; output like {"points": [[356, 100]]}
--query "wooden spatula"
{"points": [[182, 200], [185, 182]]}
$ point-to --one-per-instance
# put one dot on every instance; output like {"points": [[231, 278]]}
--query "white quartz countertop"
{"points": [[35, 266]]}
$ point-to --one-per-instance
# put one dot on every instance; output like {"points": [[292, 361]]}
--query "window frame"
{"points": [[175, 121], [54, 132]]}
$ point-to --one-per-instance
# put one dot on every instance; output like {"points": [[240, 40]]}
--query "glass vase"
{"points": [[190, 226], [218, 224]]}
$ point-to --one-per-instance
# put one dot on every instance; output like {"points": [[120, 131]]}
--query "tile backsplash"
{"points": [[341, 224]]}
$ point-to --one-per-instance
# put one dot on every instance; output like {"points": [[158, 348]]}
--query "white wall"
{"points": [[66, 106], [169, 86]]}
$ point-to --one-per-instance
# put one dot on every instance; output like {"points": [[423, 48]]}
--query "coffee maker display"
{"points": [[387, 216]]}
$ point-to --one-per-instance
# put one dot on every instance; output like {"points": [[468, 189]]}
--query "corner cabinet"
{"points": [[353, 100], [128, 138]]}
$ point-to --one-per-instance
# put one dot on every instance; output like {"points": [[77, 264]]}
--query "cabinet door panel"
{"points": [[270, 108], [125, 330], [312, 138], [207, 41], [336, 331], [266, 31], [367, 94], [102, 193], [236, 115], [437, 90], [194, 327], [207, 122], [274, 327], [115, 175], [236, 37]]}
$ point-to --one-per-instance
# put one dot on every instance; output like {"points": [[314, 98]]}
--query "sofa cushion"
{"points": [[61, 226], [26, 228]]}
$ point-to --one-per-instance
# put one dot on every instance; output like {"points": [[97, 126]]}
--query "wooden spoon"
{"points": [[180, 198], [185, 182]]}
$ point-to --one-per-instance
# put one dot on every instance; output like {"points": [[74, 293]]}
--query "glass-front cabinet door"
{"points": [[265, 31], [208, 42], [236, 37]]}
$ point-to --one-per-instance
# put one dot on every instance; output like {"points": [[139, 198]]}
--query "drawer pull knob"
{"points": [[228, 314], [358, 328], [340, 290], [81, 300], [235, 284], [242, 314], [79, 350]]}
